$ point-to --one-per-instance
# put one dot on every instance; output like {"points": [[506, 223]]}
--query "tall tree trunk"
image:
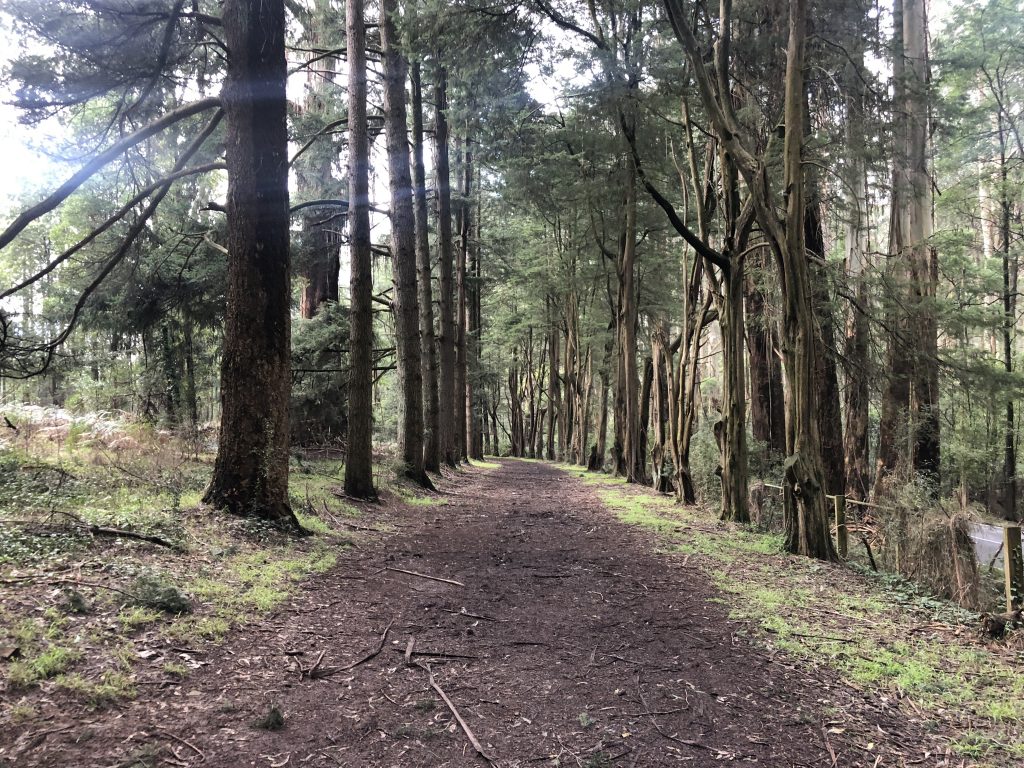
{"points": [[922, 257], [474, 407], [830, 425], [553, 395], [731, 430], [807, 521], [403, 253], [431, 403], [893, 459], [1009, 323], [446, 286], [462, 403], [319, 261], [634, 462], [855, 438], [597, 456], [250, 474], [359, 458]]}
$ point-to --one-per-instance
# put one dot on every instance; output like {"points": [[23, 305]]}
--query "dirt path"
{"points": [[571, 643]]}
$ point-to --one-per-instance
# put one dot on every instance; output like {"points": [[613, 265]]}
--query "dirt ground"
{"points": [[562, 637]]}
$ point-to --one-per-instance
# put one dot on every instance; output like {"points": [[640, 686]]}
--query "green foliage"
{"points": [[320, 359], [156, 591]]}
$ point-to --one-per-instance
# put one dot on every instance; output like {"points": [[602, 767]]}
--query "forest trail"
{"points": [[573, 642]]}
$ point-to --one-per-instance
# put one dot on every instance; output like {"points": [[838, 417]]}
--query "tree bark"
{"points": [[553, 395], [462, 404], [807, 521], [922, 257], [632, 459], [856, 437], [359, 458], [830, 423], [250, 475], [445, 245], [403, 253], [767, 402], [431, 403]]}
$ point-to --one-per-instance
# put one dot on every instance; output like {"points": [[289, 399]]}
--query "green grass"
{"points": [[48, 663], [484, 464], [112, 686], [137, 616], [226, 571]]}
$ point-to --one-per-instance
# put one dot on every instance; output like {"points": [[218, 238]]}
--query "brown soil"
{"points": [[571, 643]]}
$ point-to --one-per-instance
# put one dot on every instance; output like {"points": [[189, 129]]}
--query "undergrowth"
{"points": [[880, 633], [220, 572]]}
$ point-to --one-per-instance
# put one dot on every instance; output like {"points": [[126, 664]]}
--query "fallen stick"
{"points": [[469, 615], [437, 654], [99, 530], [425, 576], [360, 527], [189, 744], [371, 654], [458, 717]]}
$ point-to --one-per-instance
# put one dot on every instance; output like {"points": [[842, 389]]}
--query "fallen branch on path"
{"points": [[371, 654], [425, 576], [316, 672], [436, 654], [458, 717], [469, 615], [185, 742]]}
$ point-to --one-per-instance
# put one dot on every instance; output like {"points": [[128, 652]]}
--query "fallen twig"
{"points": [[94, 586], [371, 654], [425, 576], [100, 530], [436, 654], [670, 737], [469, 615], [828, 746], [312, 673], [189, 744], [458, 717]]}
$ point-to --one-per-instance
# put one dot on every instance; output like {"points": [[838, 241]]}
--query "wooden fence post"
{"points": [[841, 534], [1013, 567]]}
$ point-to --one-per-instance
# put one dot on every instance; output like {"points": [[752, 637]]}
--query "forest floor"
{"points": [[569, 620]]}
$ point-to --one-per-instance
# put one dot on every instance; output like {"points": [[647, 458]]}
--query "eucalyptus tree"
{"points": [[806, 515]]}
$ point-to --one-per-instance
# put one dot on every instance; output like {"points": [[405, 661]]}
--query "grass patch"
{"points": [[484, 464], [96, 694], [50, 662], [137, 616]]}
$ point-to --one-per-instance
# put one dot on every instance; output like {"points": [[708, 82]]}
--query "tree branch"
{"points": [[100, 161]]}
